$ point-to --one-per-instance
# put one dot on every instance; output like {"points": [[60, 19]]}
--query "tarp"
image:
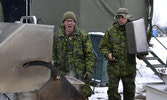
{"points": [[13, 9], [92, 15]]}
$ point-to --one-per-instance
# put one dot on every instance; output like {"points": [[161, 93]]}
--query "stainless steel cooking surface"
{"points": [[156, 92], [21, 43]]}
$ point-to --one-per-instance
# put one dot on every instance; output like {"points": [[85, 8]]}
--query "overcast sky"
{"points": [[160, 12]]}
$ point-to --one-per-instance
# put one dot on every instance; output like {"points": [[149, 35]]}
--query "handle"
{"points": [[29, 17]]}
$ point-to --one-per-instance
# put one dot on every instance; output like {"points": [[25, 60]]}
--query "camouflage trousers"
{"points": [[85, 91], [127, 74]]}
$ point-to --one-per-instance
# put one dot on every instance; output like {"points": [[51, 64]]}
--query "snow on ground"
{"points": [[144, 75]]}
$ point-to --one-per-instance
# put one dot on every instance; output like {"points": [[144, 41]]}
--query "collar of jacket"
{"points": [[120, 27], [62, 29]]}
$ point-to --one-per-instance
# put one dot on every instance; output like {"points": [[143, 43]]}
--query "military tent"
{"points": [[92, 15]]}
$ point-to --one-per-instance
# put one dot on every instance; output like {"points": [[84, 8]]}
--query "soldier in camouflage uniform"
{"points": [[121, 65], [72, 52]]}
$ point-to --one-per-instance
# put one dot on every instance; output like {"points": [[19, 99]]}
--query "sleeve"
{"points": [[105, 45], [54, 51], [55, 56], [89, 56]]}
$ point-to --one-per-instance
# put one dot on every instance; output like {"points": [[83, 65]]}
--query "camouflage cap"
{"points": [[69, 14], [124, 12]]}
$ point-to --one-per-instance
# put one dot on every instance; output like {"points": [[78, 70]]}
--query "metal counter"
{"points": [[156, 92], [21, 43]]}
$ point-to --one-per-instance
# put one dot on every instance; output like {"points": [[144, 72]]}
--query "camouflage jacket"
{"points": [[73, 53], [114, 41]]}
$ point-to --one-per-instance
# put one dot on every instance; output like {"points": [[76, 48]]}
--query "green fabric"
{"points": [[92, 15], [1, 13], [74, 54], [128, 79], [69, 14], [114, 41]]}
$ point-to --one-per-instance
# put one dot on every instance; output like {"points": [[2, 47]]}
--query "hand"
{"points": [[110, 57], [141, 56], [56, 77]]}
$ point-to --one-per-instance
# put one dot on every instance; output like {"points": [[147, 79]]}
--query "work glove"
{"points": [[141, 56]]}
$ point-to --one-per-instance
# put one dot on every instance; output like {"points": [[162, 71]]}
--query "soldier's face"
{"points": [[121, 20], [69, 25]]}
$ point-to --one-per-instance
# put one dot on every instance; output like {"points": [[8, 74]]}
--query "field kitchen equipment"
{"points": [[21, 43], [26, 63], [158, 91], [136, 37]]}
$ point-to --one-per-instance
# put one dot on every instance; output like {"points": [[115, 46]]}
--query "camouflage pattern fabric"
{"points": [[124, 67], [1, 13], [74, 55]]}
